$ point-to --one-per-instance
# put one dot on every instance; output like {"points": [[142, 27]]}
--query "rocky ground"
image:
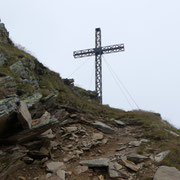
{"points": [[52, 130], [82, 148]]}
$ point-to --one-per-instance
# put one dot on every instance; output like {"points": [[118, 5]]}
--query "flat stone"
{"points": [[131, 165], [55, 166], [80, 169], [61, 174], [103, 127], [68, 158], [117, 166], [121, 148], [24, 115], [105, 141], [167, 173], [48, 175], [53, 177], [45, 118], [136, 158], [73, 115], [101, 177], [135, 143], [28, 160], [120, 123], [113, 171], [97, 136], [101, 162], [48, 134], [161, 156], [71, 129]]}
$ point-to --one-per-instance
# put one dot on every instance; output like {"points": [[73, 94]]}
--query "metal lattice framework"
{"points": [[97, 52]]}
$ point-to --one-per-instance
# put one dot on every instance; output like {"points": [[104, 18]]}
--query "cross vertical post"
{"points": [[97, 52], [98, 65]]}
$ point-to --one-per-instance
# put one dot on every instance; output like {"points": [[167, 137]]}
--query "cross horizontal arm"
{"points": [[84, 53], [112, 48], [101, 50]]}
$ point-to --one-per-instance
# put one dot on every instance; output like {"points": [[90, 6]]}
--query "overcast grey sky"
{"points": [[150, 30]]}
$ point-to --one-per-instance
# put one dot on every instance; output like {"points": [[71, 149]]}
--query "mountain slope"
{"points": [[77, 133]]}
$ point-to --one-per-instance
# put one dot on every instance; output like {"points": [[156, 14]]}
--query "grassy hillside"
{"points": [[30, 76]]}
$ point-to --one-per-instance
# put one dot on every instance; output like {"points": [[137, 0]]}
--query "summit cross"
{"points": [[97, 52]]}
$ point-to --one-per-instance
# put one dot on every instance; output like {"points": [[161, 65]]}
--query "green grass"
{"points": [[154, 128]]}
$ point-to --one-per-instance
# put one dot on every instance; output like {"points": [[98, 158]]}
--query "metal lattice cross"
{"points": [[97, 52]]}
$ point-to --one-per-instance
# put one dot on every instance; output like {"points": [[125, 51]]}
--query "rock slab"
{"points": [[161, 156], [103, 127], [97, 136], [55, 166], [80, 169], [167, 173], [131, 165], [136, 158], [61, 174], [101, 162], [24, 115], [114, 170], [119, 123]]}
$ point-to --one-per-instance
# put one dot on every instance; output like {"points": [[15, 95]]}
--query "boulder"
{"points": [[167, 173], [101, 162], [103, 127], [29, 134], [24, 116], [161, 156]]}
